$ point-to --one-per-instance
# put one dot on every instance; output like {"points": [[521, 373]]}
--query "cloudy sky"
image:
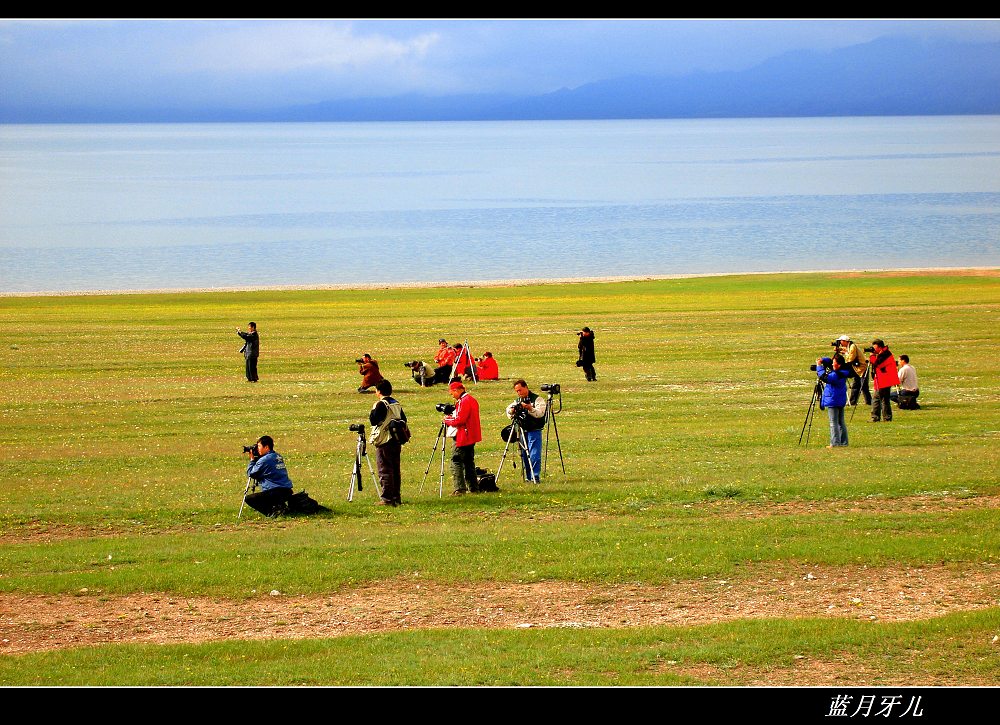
{"points": [[249, 64]]}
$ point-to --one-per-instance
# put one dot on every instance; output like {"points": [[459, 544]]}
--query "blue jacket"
{"points": [[835, 390], [269, 471]]}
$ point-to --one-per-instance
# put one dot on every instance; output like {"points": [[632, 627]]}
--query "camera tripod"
{"points": [[551, 423], [362, 450], [817, 395], [441, 438], [516, 434], [467, 354], [861, 389], [251, 485]]}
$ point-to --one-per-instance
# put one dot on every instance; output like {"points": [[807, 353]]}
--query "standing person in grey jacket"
{"points": [[250, 349]]}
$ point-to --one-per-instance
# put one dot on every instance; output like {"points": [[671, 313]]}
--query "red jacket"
{"points": [[487, 369], [445, 356], [884, 366], [466, 420], [461, 366]]}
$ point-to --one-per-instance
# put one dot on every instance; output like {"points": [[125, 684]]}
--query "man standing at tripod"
{"points": [[529, 413], [468, 432], [854, 360], [387, 448]]}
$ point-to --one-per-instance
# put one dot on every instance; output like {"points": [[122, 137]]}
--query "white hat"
{"points": [[843, 338]]}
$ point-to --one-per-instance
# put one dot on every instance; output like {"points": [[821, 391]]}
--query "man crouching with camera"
{"points": [[267, 469]]}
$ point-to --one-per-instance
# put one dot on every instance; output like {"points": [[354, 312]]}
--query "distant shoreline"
{"points": [[894, 271]]}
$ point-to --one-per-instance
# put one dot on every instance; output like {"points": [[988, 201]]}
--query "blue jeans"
{"points": [[533, 441], [838, 428]]}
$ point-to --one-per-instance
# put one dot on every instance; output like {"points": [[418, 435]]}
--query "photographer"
{"points": [[884, 376], [468, 432], [387, 448], [421, 374], [855, 362], [833, 372], [529, 412], [368, 369], [443, 360], [486, 367], [267, 468], [586, 349], [250, 350], [909, 390]]}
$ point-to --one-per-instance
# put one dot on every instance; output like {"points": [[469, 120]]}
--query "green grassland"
{"points": [[125, 415]]}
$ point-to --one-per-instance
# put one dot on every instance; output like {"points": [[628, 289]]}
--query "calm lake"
{"points": [[152, 206]]}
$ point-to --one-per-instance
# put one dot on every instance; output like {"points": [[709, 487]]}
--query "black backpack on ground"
{"points": [[487, 481]]}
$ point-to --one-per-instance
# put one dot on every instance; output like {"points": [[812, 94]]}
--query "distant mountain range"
{"points": [[888, 76]]}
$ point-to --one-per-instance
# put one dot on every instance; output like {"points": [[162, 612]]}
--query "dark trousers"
{"points": [[881, 407], [463, 468], [389, 476], [252, 369], [269, 501], [857, 388], [906, 399], [442, 374], [588, 370]]}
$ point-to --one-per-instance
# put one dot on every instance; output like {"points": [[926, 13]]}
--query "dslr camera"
{"points": [[552, 388], [869, 349], [446, 408], [359, 360], [252, 450], [357, 428]]}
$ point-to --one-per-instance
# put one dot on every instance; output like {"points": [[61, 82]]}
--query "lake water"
{"points": [[151, 206]]}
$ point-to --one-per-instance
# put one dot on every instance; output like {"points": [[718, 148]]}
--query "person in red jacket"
{"points": [[462, 363], [885, 376], [486, 368], [443, 361], [464, 421]]}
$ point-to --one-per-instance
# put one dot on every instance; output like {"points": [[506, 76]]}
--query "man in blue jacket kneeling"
{"points": [[267, 469]]}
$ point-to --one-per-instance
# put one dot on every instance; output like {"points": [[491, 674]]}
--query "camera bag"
{"points": [[399, 431]]}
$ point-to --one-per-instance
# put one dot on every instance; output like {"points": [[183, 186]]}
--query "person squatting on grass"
{"points": [[387, 448], [487, 368], [529, 412], [834, 373], [467, 431], [250, 350], [909, 389], [443, 360], [885, 376], [370, 375], [267, 468]]}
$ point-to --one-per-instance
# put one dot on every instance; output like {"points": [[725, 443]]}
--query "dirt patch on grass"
{"points": [[33, 623], [733, 508]]}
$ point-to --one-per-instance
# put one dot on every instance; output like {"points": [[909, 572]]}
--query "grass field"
{"points": [[692, 540]]}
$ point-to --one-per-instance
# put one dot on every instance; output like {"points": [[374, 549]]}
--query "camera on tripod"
{"points": [[869, 349], [446, 408], [357, 428], [252, 450], [552, 388]]}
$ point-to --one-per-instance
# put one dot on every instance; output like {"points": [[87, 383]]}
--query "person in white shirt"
{"points": [[909, 389]]}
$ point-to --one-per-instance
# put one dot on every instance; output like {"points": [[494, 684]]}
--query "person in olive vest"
{"points": [[529, 412], [250, 350], [387, 448]]}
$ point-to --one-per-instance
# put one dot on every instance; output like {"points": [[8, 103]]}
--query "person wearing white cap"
{"points": [[858, 365]]}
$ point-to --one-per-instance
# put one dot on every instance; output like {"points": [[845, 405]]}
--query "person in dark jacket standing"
{"points": [[387, 448], [835, 374], [250, 349], [586, 349]]}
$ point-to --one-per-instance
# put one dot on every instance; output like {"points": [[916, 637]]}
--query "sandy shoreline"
{"points": [[986, 271]]}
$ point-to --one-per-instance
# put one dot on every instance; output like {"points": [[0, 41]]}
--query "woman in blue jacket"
{"points": [[835, 374]]}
